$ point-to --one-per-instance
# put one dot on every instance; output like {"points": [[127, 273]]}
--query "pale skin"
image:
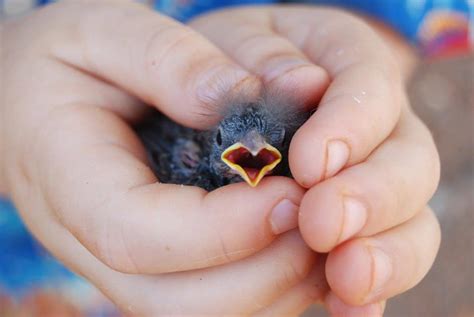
{"points": [[77, 75]]}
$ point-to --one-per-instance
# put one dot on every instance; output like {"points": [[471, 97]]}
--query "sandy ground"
{"points": [[442, 93]]}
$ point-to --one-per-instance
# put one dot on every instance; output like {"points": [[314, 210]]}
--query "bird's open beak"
{"points": [[251, 164]]}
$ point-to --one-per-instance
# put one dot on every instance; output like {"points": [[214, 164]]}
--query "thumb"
{"points": [[151, 56]]}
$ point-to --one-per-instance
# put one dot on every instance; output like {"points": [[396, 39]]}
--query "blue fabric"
{"points": [[403, 15], [436, 35], [28, 273], [24, 263]]}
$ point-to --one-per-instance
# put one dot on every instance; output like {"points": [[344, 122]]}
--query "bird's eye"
{"points": [[219, 137]]}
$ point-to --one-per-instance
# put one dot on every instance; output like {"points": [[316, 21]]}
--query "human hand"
{"points": [[76, 75], [368, 162]]}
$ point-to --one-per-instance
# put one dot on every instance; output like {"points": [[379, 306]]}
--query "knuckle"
{"points": [[291, 274], [164, 41], [223, 250], [430, 156], [435, 226], [254, 39], [313, 293], [102, 248], [266, 44], [227, 250], [112, 248], [111, 242]]}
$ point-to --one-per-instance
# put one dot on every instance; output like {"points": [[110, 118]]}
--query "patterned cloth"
{"points": [[439, 27], [34, 283]]}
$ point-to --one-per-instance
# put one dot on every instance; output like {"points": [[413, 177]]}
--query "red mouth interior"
{"points": [[252, 165]]}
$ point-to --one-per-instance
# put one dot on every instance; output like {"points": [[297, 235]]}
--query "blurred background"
{"points": [[32, 283]]}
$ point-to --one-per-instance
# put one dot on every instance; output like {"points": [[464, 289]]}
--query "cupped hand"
{"points": [[77, 76], [369, 164]]}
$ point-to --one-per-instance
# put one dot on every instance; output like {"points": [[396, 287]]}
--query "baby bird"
{"points": [[250, 141]]}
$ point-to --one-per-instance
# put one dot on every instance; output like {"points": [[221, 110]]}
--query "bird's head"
{"points": [[249, 142]]}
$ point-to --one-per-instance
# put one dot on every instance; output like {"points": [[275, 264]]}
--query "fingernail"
{"points": [[355, 217], [337, 157], [284, 216], [381, 272]]}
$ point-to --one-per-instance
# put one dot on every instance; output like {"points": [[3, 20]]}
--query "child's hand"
{"points": [[75, 76], [369, 163]]}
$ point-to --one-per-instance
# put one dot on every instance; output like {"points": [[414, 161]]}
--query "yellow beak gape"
{"points": [[252, 167]]}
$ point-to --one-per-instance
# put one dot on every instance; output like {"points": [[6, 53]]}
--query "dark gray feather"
{"points": [[182, 155]]}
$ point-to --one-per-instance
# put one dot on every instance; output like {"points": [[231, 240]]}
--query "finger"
{"points": [[149, 55], [248, 36], [394, 183], [338, 308], [296, 300], [362, 104], [368, 270], [134, 224], [251, 283]]}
